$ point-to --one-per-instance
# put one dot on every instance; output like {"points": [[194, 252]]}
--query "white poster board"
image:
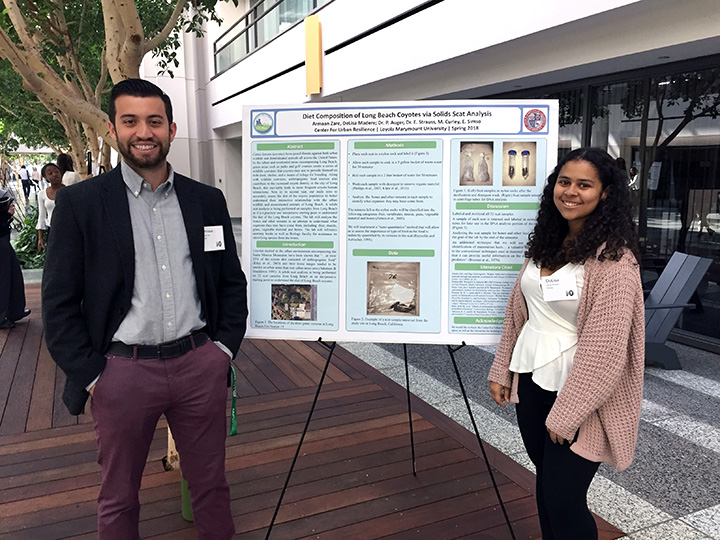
{"points": [[390, 222]]}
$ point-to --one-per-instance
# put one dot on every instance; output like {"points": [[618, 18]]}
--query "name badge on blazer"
{"points": [[214, 238], [563, 287]]}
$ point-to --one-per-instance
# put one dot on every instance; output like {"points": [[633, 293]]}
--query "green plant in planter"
{"points": [[25, 243]]}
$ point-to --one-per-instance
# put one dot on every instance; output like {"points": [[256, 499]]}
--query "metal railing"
{"points": [[263, 22]]}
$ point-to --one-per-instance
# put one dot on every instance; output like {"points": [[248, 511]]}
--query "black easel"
{"points": [[452, 352], [407, 389]]}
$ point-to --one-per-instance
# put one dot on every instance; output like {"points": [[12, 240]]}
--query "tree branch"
{"points": [[161, 36], [55, 149], [31, 51], [124, 38], [103, 76], [25, 108]]}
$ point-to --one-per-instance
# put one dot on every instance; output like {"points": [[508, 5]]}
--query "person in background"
{"points": [[144, 306], [12, 287], [26, 182], [69, 176], [622, 165], [634, 182], [46, 202], [634, 185], [35, 175], [572, 354]]}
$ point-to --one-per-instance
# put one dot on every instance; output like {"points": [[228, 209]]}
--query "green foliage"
{"points": [[8, 143], [72, 43], [23, 115], [192, 20], [82, 38], [25, 243]]}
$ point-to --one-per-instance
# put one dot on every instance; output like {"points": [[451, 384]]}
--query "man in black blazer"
{"points": [[144, 305]]}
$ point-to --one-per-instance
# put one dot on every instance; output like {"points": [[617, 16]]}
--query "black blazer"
{"points": [[90, 269]]}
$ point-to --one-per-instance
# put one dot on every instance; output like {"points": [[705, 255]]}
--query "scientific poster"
{"points": [[390, 222]]}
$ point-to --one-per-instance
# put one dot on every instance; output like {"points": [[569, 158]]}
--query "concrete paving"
{"points": [[670, 492]]}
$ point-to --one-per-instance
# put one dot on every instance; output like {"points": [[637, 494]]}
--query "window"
{"points": [[666, 127], [264, 21]]}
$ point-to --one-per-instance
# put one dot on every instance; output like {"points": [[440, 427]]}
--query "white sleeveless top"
{"points": [[547, 343]]}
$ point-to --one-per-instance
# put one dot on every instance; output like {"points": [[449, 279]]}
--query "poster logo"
{"points": [[535, 120], [262, 123]]}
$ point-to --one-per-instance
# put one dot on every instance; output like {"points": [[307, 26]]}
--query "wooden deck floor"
{"points": [[353, 478]]}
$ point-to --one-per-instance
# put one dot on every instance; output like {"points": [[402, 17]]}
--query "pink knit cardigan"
{"points": [[603, 392]]}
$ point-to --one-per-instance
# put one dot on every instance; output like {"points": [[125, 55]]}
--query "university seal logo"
{"points": [[534, 120]]}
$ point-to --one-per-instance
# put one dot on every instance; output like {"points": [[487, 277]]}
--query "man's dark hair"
{"points": [[138, 88]]}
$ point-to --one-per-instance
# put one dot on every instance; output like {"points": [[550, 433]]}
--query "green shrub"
{"points": [[25, 243]]}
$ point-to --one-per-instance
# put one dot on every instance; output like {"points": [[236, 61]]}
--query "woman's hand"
{"points": [[500, 393], [41, 244], [557, 439]]}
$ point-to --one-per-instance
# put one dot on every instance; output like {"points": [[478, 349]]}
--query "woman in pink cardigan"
{"points": [[572, 351]]}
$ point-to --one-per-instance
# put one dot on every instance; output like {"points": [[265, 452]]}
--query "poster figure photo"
{"points": [[476, 164], [392, 288], [294, 302], [519, 163]]}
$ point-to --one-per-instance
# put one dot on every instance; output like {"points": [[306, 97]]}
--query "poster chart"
{"points": [[396, 222]]}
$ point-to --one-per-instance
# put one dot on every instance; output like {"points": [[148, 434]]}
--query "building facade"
{"points": [[640, 78]]}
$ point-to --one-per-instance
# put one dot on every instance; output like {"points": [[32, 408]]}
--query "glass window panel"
{"points": [[267, 20], [222, 61], [291, 11], [269, 25], [681, 183], [571, 109]]}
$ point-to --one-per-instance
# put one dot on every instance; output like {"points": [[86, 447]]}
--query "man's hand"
{"points": [[92, 389], [500, 393]]}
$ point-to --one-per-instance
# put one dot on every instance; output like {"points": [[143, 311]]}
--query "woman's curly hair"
{"points": [[609, 224]]}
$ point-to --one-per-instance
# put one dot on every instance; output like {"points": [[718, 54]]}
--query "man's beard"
{"points": [[144, 162]]}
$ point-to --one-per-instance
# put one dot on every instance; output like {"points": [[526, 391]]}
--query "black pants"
{"points": [[26, 185], [563, 477], [12, 287]]}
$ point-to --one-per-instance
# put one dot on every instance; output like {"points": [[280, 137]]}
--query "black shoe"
{"points": [[7, 323], [25, 313]]}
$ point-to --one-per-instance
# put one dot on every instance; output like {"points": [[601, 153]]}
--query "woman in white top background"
{"points": [[67, 171], [572, 351], [46, 202]]}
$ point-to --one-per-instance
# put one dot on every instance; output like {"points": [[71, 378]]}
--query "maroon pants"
{"points": [[128, 399]]}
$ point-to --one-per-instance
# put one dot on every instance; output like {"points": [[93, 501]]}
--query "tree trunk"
{"points": [[106, 154]]}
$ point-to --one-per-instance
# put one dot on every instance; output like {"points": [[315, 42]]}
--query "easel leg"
{"points": [[452, 352], [302, 437], [407, 389]]}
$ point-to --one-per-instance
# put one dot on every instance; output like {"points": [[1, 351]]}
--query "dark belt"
{"points": [[164, 351]]}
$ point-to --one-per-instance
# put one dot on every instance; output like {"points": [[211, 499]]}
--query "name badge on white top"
{"points": [[556, 287], [214, 238]]}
